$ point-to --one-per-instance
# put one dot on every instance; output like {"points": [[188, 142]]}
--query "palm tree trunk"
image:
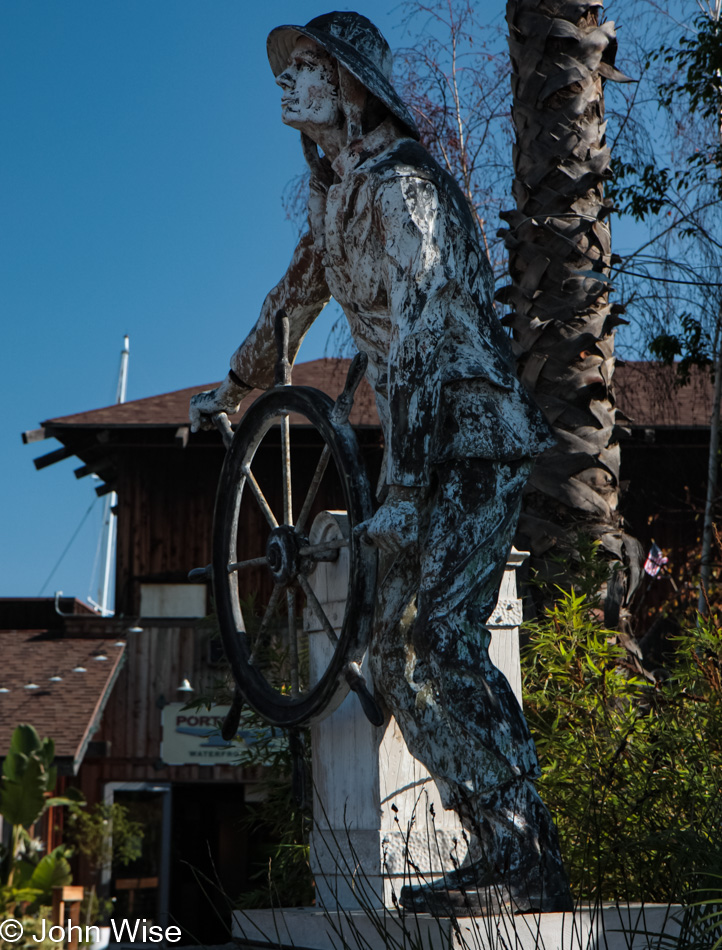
{"points": [[559, 247]]}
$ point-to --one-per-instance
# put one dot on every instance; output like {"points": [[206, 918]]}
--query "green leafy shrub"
{"points": [[26, 787], [28, 780], [632, 769], [34, 926], [103, 834]]}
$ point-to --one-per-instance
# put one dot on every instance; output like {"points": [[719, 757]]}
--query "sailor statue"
{"points": [[392, 239]]}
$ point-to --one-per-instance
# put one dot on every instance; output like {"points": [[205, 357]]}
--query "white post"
{"points": [[373, 827], [504, 625]]}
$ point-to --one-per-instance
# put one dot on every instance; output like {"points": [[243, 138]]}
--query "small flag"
{"points": [[655, 560]]}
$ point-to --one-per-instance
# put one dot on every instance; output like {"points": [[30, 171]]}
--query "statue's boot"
{"points": [[473, 891], [521, 870]]}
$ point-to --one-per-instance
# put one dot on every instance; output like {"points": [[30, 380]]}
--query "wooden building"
{"points": [[664, 476]]}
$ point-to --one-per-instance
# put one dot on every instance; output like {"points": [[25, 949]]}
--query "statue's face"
{"points": [[310, 100]]}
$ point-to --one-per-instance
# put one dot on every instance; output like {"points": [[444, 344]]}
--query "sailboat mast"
{"points": [[109, 518]]}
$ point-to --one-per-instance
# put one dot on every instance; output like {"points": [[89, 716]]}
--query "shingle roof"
{"points": [[67, 710], [648, 394], [171, 409], [645, 392]]}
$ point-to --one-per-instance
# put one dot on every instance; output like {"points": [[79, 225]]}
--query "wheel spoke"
{"points": [[325, 547], [292, 641], [271, 607], [313, 488], [286, 470], [318, 609], [260, 497], [244, 565]]}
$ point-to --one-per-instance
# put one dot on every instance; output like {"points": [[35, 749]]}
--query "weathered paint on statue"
{"points": [[391, 238]]}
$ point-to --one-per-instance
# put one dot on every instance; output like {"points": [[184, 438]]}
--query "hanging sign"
{"points": [[193, 737]]}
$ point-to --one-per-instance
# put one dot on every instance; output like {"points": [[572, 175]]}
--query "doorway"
{"points": [[140, 889], [212, 854]]}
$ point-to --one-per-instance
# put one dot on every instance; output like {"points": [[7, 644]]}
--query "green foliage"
{"points": [[28, 775], [669, 176], [702, 920], [699, 57], [632, 770], [695, 66], [26, 744], [22, 801], [96, 910], [692, 344], [51, 871], [635, 191], [32, 884], [32, 932], [27, 782], [28, 778], [104, 833], [39, 879], [581, 567]]}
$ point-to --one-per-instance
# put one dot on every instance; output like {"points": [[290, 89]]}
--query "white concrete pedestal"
{"points": [[621, 927], [378, 818]]}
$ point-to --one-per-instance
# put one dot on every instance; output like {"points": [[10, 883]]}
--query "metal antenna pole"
{"points": [[109, 519], [123, 372]]}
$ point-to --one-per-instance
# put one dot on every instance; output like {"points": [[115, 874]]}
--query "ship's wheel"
{"points": [[263, 635]]}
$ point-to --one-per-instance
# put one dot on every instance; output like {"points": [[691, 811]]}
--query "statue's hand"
{"points": [[395, 526], [225, 398]]}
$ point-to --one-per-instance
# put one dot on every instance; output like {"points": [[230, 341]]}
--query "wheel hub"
{"points": [[282, 553]]}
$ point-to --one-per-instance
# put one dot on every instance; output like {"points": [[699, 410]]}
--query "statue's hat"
{"points": [[357, 45]]}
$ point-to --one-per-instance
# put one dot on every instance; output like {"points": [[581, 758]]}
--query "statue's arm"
{"points": [[421, 286], [302, 293]]}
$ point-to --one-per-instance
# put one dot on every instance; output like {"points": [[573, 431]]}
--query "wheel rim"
{"points": [[287, 559]]}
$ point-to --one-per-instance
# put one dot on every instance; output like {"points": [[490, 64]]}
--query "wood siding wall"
{"points": [[165, 507], [165, 515], [156, 661]]}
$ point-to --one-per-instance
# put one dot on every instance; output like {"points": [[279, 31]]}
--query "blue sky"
{"points": [[142, 169]]}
